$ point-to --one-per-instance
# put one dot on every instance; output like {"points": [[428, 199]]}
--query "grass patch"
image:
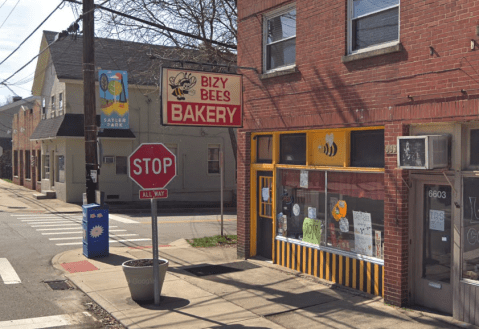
{"points": [[214, 241], [7, 180]]}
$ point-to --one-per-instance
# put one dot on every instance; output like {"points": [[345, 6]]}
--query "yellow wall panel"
{"points": [[328, 148]]}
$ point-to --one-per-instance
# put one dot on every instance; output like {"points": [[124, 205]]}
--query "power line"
{"points": [[33, 31], [3, 3], [9, 13], [160, 26]]}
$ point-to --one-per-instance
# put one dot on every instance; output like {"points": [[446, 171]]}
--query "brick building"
{"points": [[26, 157], [320, 187]]}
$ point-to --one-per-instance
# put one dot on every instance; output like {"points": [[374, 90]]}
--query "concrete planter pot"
{"points": [[139, 275]]}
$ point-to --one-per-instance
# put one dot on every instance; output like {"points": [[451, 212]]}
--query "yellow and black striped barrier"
{"points": [[347, 271]]}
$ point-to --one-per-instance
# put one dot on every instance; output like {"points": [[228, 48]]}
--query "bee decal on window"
{"points": [[182, 84]]}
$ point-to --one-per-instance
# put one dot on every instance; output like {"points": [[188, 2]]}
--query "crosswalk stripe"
{"points": [[53, 225], [111, 241], [45, 321], [7, 272], [79, 237], [122, 219], [76, 232], [55, 222], [63, 228], [43, 220]]}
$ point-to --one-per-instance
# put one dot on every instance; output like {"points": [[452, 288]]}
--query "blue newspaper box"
{"points": [[95, 231]]}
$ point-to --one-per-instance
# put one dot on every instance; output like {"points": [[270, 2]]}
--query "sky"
{"points": [[24, 18]]}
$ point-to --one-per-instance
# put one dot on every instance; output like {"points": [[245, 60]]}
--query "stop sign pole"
{"points": [[152, 166]]}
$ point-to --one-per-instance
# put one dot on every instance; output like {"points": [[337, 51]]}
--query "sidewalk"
{"points": [[255, 294]]}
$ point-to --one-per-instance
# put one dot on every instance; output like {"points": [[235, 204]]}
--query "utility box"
{"points": [[95, 231]]}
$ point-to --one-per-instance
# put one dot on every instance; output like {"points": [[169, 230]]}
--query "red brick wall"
{"points": [[25, 122], [243, 188]]}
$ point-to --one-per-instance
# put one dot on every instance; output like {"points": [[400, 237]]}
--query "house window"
{"points": [[28, 167], [61, 169], [214, 159], [53, 103], [60, 101], [15, 163], [46, 161], [372, 22], [44, 105], [280, 39], [121, 165], [39, 165], [367, 148], [264, 149]]}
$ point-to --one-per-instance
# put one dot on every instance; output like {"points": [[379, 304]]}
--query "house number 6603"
{"points": [[437, 194]]}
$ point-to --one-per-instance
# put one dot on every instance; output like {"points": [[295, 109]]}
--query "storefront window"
{"points": [[264, 149], [470, 257], [346, 213], [356, 212]]}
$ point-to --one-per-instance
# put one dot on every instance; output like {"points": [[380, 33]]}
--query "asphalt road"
{"points": [[29, 242]]}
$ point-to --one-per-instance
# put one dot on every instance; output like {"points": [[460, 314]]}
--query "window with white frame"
{"points": [[60, 101], [46, 167], [53, 103], [280, 38], [213, 159], [372, 23]]}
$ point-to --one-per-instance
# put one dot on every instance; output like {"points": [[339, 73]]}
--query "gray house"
{"points": [[58, 81]]}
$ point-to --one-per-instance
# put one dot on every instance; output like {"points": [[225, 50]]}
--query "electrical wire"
{"points": [[11, 11], [3, 3], [32, 32]]}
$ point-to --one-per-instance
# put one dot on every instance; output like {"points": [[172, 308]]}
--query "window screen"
{"points": [[293, 149], [367, 148]]}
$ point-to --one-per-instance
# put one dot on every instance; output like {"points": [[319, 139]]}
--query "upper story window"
{"points": [[280, 39], [264, 149], [44, 105], [53, 103], [372, 24], [60, 101]]}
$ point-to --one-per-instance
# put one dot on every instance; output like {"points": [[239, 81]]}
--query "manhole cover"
{"points": [[220, 269], [59, 285]]}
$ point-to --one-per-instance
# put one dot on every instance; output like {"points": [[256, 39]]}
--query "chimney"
{"points": [[17, 98]]}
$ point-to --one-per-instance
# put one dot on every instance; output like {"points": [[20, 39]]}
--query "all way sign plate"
{"points": [[154, 194]]}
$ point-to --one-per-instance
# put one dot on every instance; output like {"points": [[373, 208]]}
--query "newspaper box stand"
{"points": [[95, 231]]}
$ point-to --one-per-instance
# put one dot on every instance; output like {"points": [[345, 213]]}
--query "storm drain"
{"points": [[208, 269], [60, 285]]}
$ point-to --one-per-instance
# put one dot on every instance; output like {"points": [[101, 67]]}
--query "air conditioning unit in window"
{"points": [[423, 152], [108, 159]]}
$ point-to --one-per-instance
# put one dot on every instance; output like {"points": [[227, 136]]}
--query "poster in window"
{"points": [[363, 233], [436, 220], [303, 179], [265, 194], [412, 152]]}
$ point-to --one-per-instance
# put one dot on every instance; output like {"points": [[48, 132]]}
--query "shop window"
{"points": [[121, 165], [346, 213], [293, 149], [213, 159], [264, 149], [28, 167], [474, 147], [280, 39], [15, 163], [367, 148], [46, 168], [373, 23], [356, 213], [61, 169], [470, 256]]}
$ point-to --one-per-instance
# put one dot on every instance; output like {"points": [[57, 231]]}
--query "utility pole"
{"points": [[89, 101]]}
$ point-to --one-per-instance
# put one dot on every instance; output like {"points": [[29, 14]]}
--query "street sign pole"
{"points": [[156, 268], [222, 188]]}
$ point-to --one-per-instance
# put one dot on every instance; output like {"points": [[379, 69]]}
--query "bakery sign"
{"points": [[196, 98]]}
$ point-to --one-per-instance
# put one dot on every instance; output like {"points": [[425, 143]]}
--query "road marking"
{"points": [[122, 219], [53, 225], [78, 232], [191, 221], [43, 220], [45, 321], [111, 241], [54, 222], [59, 229], [7, 272], [79, 237]]}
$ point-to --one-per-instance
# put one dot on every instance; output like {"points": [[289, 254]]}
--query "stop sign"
{"points": [[152, 166]]}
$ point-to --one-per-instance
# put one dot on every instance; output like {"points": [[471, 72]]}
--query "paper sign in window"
{"points": [[436, 220], [303, 179], [363, 233], [265, 194]]}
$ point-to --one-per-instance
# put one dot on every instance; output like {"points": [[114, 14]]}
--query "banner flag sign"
{"points": [[114, 99], [197, 98]]}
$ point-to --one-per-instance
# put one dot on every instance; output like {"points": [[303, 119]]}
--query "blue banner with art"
{"points": [[114, 99]]}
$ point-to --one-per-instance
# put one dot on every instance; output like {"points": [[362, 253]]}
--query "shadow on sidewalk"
{"points": [[113, 259]]}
